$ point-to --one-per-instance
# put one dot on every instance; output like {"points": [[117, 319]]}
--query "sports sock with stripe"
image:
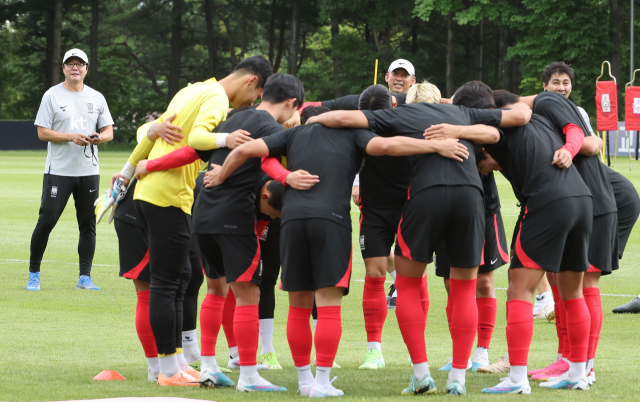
{"points": [[266, 336], [464, 320], [327, 337], [245, 328], [143, 326], [299, 335], [519, 331], [374, 307], [594, 304], [227, 319], [210, 321], [487, 310], [578, 326], [557, 308], [410, 317]]}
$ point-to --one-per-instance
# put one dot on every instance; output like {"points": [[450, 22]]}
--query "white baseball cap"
{"points": [[402, 63], [75, 53]]}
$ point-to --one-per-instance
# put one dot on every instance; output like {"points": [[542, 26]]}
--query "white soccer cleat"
{"points": [[257, 384], [323, 392], [152, 377], [507, 387]]}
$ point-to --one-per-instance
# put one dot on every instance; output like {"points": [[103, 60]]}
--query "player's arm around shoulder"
{"points": [[403, 146], [213, 111], [480, 133], [234, 160], [518, 115], [341, 119]]}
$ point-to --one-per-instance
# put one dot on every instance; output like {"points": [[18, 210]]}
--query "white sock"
{"points": [[548, 294], [304, 375], [480, 353], [421, 369], [154, 365], [457, 374], [182, 362], [266, 335], [169, 365], [190, 346], [589, 366], [374, 345], [322, 376], [248, 371], [559, 356], [518, 374], [233, 353], [576, 371], [395, 294], [565, 360], [315, 323], [209, 363], [393, 276]]}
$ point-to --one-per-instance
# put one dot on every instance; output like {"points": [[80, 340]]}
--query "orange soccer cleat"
{"points": [[181, 379]]}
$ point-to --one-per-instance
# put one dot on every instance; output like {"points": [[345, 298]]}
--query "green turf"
{"points": [[58, 339]]}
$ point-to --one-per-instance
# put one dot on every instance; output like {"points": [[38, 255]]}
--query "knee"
{"points": [[485, 286]]}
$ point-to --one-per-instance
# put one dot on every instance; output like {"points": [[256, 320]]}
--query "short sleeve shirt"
{"points": [[83, 112]]}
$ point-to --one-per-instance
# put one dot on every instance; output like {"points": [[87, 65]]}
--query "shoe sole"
{"points": [[429, 392], [211, 384]]}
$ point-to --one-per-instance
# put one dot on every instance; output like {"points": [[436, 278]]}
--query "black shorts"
{"points": [[133, 248], [270, 251], [453, 214], [555, 237], [378, 228], [603, 246], [494, 253], [316, 254], [235, 256]]}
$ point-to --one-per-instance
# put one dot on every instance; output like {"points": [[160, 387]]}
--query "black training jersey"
{"points": [[491, 198], [432, 169], [560, 111], [525, 154], [334, 155], [230, 207], [350, 102], [126, 209], [624, 191], [384, 181]]}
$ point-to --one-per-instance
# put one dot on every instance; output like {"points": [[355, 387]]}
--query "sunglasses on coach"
{"points": [[72, 65]]}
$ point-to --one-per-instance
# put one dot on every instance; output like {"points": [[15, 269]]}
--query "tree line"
{"points": [[143, 51]]}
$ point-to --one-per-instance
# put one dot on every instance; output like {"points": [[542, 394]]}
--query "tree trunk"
{"points": [[337, 60], [616, 39], [94, 78], [283, 28], [506, 65], [295, 33], [478, 52], [55, 18], [451, 54], [272, 31], [176, 48], [302, 51], [212, 39], [232, 48], [497, 59], [414, 36]]}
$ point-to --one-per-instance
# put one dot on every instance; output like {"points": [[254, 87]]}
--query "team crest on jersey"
{"points": [[362, 242], [265, 232], [89, 107], [54, 191]]}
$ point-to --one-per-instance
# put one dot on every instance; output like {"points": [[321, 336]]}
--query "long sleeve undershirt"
{"points": [[575, 137]]}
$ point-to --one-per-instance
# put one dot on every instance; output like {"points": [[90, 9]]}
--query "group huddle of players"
{"points": [[273, 197]]}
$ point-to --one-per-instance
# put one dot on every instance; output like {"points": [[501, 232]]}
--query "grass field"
{"points": [[56, 340]]}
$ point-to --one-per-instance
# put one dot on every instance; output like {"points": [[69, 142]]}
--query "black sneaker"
{"points": [[632, 307], [391, 297], [392, 290]]}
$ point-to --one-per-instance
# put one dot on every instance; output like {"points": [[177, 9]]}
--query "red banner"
{"points": [[606, 106], [632, 109]]}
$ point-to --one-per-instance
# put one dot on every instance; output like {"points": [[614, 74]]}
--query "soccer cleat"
{"points": [[552, 366], [181, 379], [591, 377], [541, 302], [305, 388], [479, 362], [455, 388], [501, 366], [373, 360], [449, 366], [632, 307], [256, 384], [84, 282], [214, 380], [506, 387], [317, 391], [557, 372], [424, 386], [192, 372], [391, 297], [152, 377], [271, 361], [34, 281], [543, 314], [564, 383], [234, 364]]}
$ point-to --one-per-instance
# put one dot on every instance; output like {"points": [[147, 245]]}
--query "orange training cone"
{"points": [[109, 375]]}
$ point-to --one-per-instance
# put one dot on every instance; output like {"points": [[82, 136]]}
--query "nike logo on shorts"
{"points": [[91, 191], [494, 261]]}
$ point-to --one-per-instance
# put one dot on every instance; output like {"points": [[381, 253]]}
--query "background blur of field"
{"points": [[56, 340]]}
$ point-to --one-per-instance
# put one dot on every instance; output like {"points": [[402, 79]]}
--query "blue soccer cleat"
{"points": [[581, 385], [455, 388], [34, 281], [507, 387], [257, 384], [85, 283], [424, 386], [214, 380]]}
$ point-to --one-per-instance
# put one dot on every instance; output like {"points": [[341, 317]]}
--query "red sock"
{"points": [[210, 321], [246, 326], [328, 333], [143, 325], [464, 320], [448, 310], [557, 301], [227, 319], [592, 298], [374, 307], [578, 326], [424, 297], [487, 307], [410, 318], [519, 331], [299, 335]]}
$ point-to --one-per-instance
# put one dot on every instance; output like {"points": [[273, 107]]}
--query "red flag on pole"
{"points": [[606, 106], [632, 109]]}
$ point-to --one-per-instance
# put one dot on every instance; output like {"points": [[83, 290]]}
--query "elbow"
{"points": [[524, 117]]}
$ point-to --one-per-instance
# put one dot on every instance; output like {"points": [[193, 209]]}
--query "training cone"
{"points": [[109, 375]]}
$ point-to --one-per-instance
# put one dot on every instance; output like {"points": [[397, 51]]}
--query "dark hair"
{"points": [[474, 94], [280, 87], [277, 191], [258, 66], [503, 98], [477, 150], [311, 111], [557, 67], [240, 109], [375, 97]]}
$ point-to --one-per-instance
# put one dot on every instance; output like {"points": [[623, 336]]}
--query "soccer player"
{"points": [[164, 199], [445, 203], [69, 118]]}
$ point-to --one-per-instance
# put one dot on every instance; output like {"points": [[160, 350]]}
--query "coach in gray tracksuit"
{"points": [[74, 119]]}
